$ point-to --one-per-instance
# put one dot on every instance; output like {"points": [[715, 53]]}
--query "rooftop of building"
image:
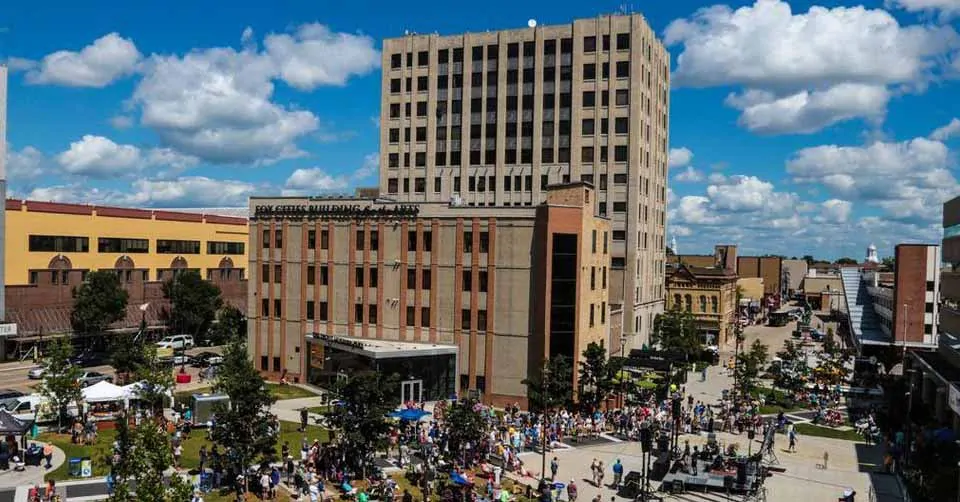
{"points": [[385, 349], [409, 34], [702, 272], [195, 215]]}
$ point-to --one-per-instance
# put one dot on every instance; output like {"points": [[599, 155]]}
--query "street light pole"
{"points": [[544, 379], [623, 341]]}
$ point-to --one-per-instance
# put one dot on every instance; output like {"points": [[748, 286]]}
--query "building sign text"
{"points": [[335, 212]]}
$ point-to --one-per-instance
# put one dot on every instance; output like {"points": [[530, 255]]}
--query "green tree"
{"points": [[126, 354], [809, 259], [889, 263], [465, 425], [231, 325], [596, 376], [792, 368], [97, 303], [360, 421], [194, 302], [60, 379], [749, 364], [148, 455], [246, 425], [154, 378], [676, 331], [846, 261], [552, 386]]}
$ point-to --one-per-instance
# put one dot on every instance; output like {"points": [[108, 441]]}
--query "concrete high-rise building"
{"points": [[492, 119]]}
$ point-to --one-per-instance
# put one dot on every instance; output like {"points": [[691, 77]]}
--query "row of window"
{"points": [[370, 277], [549, 75], [74, 244], [603, 313], [513, 50], [62, 277], [688, 303], [320, 311], [483, 240], [621, 154]]}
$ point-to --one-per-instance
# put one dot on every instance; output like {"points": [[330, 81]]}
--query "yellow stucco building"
{"points": [[710, 294], [49, 243]]}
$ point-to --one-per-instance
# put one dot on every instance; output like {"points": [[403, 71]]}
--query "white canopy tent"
{"points": [[102, 392], [133, 392]]}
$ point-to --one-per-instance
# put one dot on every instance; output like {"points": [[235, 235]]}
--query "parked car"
{"points": [[91, 377], [36, 373], [6, 394], [176, 342], [88, 358], [204, 359]]}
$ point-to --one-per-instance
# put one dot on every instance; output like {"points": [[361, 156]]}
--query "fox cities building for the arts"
{"points": [[450, 298]]}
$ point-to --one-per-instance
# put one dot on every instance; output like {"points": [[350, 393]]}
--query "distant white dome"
{"points": [[872, 254]]}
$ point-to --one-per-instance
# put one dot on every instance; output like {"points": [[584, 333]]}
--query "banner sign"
{"points": [[335, 212]]}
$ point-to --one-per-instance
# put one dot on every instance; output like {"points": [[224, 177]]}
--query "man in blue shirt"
{"points": [[617, 474]]}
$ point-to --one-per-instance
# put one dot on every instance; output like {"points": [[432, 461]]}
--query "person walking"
{"points": [[572, 491], [554, 467], [703, 374], [617, 474], [600, 474], [792, 437]]}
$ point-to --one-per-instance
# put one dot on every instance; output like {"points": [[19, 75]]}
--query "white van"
{"points": [[36, 406]]}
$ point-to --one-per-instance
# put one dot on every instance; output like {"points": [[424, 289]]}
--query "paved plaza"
{"points": [[850, 464]]}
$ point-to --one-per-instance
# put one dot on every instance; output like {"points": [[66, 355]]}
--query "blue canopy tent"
{"points": [[409, 414]]}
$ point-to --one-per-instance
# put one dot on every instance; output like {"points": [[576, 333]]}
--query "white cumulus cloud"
{"points": [[99, 157], [679, 157], [689, 175], [945, 8], [806, 70], [947, 131], [97, 65]]}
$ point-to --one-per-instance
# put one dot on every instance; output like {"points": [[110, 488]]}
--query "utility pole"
{"points": [[544, 397]]}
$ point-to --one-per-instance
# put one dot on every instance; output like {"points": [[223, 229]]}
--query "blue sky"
{"points": [[795, 128]]}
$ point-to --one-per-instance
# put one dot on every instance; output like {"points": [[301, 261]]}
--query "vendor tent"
{"points": [[10, 424], [102, 392], [136, 389]]}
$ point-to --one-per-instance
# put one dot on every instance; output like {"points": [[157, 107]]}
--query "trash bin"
{"points": [[73, 466], [86, 467]]}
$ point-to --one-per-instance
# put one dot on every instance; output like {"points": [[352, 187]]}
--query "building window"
{"points": [[324, 275], [277, 308], [713, 304], [277, 273], [589, 71], [467, 280], [676, 300], [217, 247], [593, 278], [589, 99], [425, 279], [591, 315], [623, 41], [468, 242], [311, 239], [372, 314], [373, 277], [606, 242], [324, 239], [603, 277], [411, 313], [34, 277], [703, 303], [465, 319], [618, 263], [264, 273], [620, 126], [323, 311], [425, 317], [620, 153], [167, 246], [264, 363], [361, 240], [311, 310], [358, 313], [264, 308], [277, 239], [586, 127], [59, 244], [358, 277], [427, 241], [484, 242], [265, 239], [603, 312], [619, 235], [482, 279], [311, 275], [126, 246], [623, 69], [930, 285], [411, 240], [589, 44], [411, 278], [395, 61], [593, 240], [688, 300], [481, 320]]}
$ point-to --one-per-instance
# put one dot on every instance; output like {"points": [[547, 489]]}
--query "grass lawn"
{"points": [[278, 391], [827, 432], [191, 447], [215, 496]]}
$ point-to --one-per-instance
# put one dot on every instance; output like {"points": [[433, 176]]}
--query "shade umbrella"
{"points": [[459, 479], [409, 414]]}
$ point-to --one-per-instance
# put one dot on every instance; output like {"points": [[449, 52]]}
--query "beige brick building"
{"points": [[493, 118], [457, 298]]}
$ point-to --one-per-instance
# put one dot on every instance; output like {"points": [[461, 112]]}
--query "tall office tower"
{"points": [[491, 119], [3, 186]]}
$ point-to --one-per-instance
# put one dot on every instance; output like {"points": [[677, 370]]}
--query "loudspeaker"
{"points": [[646, 440], [741, 473], [676, 408], [751, 435]]}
